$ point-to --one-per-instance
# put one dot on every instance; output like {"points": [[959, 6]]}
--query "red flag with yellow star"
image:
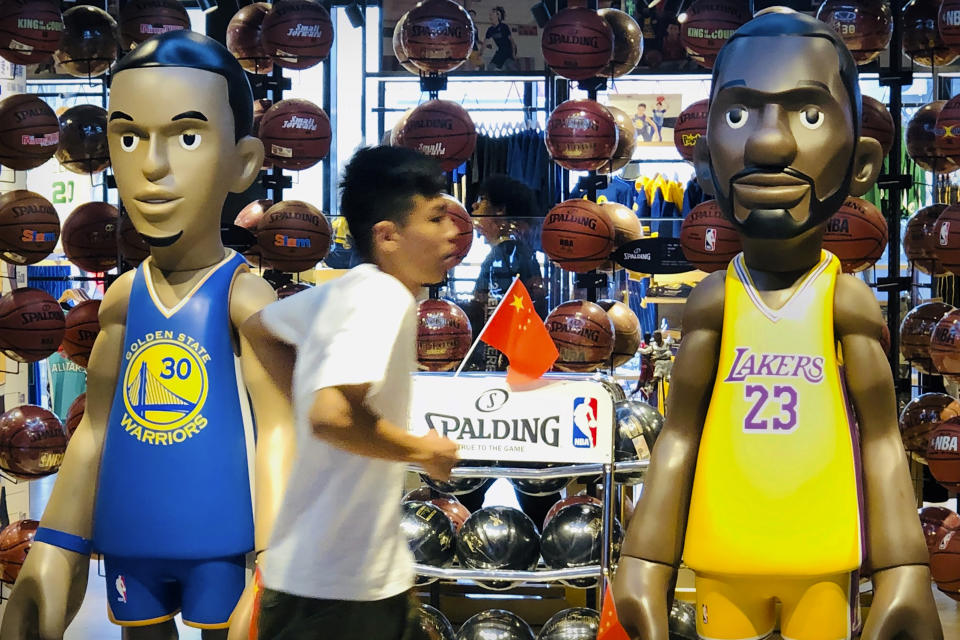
{"points": [[610, 628], [518, 332]]}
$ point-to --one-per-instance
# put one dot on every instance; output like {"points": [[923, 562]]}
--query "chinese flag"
{"points": [[517, 331], [610, 628]]}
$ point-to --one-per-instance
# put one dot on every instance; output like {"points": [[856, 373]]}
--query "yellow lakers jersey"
{"points": [[776, 490]]}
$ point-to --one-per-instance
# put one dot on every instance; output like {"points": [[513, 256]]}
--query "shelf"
{"points": [[550, 473], [482, 575]]}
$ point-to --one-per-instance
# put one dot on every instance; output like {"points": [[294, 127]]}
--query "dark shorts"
{"points": [[288, 617]]}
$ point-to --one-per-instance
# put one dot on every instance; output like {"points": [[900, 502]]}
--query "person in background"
{"points": [[498, 34]]}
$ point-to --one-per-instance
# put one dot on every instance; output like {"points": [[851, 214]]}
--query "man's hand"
{"points": [[440, 455]]}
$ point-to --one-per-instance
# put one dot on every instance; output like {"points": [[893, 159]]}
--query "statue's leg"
{"points": [[166, 630]]}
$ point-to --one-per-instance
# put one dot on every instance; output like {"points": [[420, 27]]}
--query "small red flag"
{"points": [[610, 628], [517, 331]]}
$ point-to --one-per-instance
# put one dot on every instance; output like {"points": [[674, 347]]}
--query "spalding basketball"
{"points": [[865, 26], [297, 34], [437, 35], [945, 564], [140, 19], [133, 247], [83, 139], [32, 442], [440, 129], [402, 58], [948, 22], [921, 139], [577, 43], [877, 123], [627, 43], [946, 239], [947, 130], [936, 522], [90, 236], [856, 234], [919, 241], [293, 236], [626, 141], [626, 228], [443, 335], [75, 414], [566, 502], [708, 238], [30, 132], [626, 330], [29, 227], [464, 223], [582, 135], [691, 126], [81, 329], [15, 541], [89, 43], [250, 216], [915, 332], [578, 235], [583, 334], [295, 134], [244, 33], [29, 30], [291, 288], [31, 324], [945, 346], [921, 416], [921, 38], [708, 24]]}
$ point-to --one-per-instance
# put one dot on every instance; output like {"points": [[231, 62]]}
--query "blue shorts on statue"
{"points": [[143, 591]]}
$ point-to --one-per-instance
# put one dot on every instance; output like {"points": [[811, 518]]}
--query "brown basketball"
{"points": [[583, 334], [75, 414], [578, 235], [626, 141], [865, 26], [577, 43], [566, 502], [443, 335], [295, 134], [915, 332], [297, 34], [708, 238], [291, 288], [140, 19], [32, 442], [945, 564], [244, 38], [626, 228], [133, 247], [857, 234], [581, 135], [82, 327], [945, 346], [937, 521], [440, 129], [464, 223], [31, 324], [90, 236], [29, 227], [627, 43], [948, 22], [946, 239], [921, 416], [454, 509], [708, 25], [947, 130], [402, 58], [691, 126], [15, 541], [398, 126], [293, 236], [921, 38], [921, 139], [919, 241], [626, 330], [437, 35], [29, 30], [83, 139], [29, 131], [250, 216], [943, 453], [89, 43], [877, 123]]}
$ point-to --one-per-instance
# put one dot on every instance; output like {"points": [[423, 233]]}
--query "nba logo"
{"points": [[121, 589], [585, 423], [710, 240], [944, 233]]}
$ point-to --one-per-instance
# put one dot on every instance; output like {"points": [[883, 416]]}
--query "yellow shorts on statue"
{"points": [[820, 608]]}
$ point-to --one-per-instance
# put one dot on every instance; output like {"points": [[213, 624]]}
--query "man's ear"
{"points": [[867, 162], [250, 158], [383, 237], [701, 166]]}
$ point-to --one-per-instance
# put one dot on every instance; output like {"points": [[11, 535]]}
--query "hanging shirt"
{"points": [[67, 381]]}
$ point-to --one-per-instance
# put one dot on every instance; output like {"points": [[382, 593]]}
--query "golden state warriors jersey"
{"points": [[175, 470], [777, 484]]}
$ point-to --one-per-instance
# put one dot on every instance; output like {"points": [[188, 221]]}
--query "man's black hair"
{"points": [[515, 198], [503, 12], [185, 48], [379, 183]]}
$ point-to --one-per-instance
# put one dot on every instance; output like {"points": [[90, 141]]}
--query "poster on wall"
{"points": [[654, 116]]}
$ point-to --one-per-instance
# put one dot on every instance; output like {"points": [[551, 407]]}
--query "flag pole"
{"points": [[473, 347]]}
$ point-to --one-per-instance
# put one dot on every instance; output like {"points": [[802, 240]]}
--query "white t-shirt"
{"points": [[337, 534]]}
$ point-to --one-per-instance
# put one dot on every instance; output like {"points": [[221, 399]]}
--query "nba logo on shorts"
{"points": [[710, 240], [121, 589], [944, 233], [585, 423]]}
